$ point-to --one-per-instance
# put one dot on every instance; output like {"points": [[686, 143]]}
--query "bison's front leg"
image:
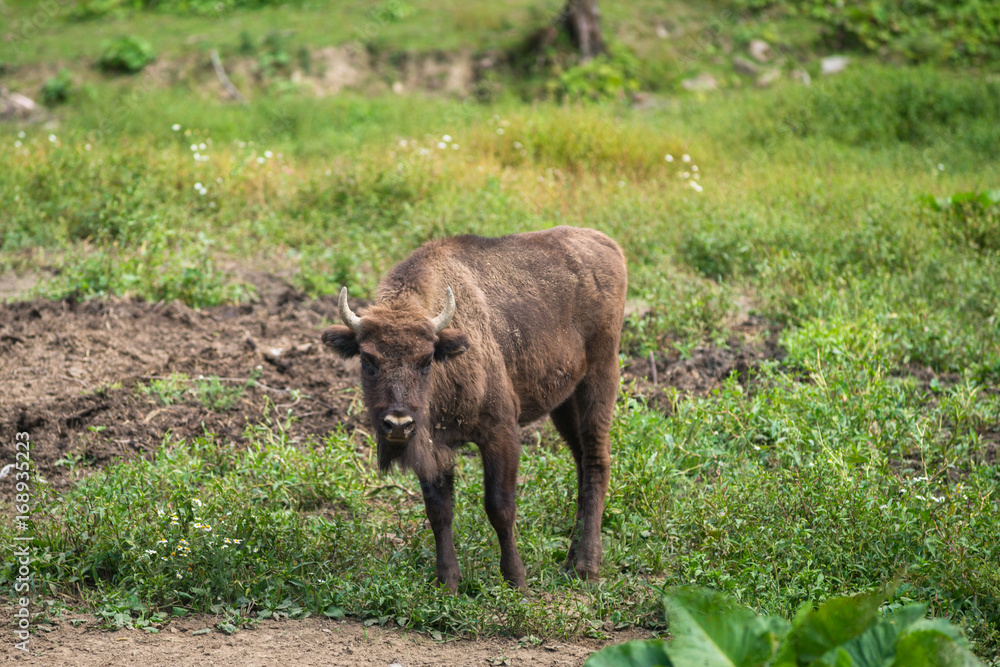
{"points": [[500, 460], [439, 503]]}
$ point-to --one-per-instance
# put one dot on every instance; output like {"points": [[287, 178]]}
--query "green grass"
{"points": [[834, 471], [792, 493]]}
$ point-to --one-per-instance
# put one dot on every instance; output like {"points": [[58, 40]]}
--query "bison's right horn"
{"points": [[442, 320], [352, 321]]}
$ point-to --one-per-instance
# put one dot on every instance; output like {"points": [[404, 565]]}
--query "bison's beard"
{"points": [[418, 454]]}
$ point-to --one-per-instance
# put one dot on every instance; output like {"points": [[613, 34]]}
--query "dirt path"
{"points": [[312, 641]]}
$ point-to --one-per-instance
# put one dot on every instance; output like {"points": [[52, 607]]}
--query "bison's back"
{"points": [[548, 302]]}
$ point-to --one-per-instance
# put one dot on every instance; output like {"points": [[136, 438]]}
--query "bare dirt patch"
{"points": [[656, 377], [71, 370], [313, 641]]}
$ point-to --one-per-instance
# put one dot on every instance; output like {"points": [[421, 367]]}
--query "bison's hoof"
{"points": [[582, 570]]}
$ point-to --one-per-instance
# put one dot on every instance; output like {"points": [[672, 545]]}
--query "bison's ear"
{"points": [[341, 340], [450, 343]]}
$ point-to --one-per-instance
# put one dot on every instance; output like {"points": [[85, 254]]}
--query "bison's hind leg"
{"points": [[584, 421]]}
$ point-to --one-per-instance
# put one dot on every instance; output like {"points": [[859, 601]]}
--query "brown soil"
{"points": [[71, 373], [313, 641], [707, 367]]}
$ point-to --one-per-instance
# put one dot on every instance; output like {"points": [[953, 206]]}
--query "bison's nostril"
{"points": [[396, 424]]}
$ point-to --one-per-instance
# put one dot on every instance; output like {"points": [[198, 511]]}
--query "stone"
{"points": [[760, 50], [768, 77], [745, 66], [834, 64], [802, 77], [704, 82]]}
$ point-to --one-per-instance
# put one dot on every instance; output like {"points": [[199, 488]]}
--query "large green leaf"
{"points": [[712, 630], [876, 646], [817, 632], [933, 647], [651, 653]]}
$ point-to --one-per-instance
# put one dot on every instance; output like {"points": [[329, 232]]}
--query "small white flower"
{"points": [[268, 154], [175, 127], [203, 192], [194, 147], [694, 167], [517, 145], [685, 174], [180, 576], [197, 186], [423, 151], [669, 157], [17, 144], [686, 157], [695, 186], [402, 143], [454, 147], [441, 144], [53, 138], [260, 160], [86, 147], [202, 146], [499, 130], [446, 137], [151, 552], [940, 167], [21, 134]]}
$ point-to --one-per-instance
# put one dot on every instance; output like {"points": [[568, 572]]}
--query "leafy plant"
{"points": [[167, 390], [608, 76], [952, 30], [126, 55], [709, 629], [56, 89], [970, 217]]}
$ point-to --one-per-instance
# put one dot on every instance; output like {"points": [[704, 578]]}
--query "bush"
{"points": [[607, 76], [125, 54], [951, 30], [57, 88]]}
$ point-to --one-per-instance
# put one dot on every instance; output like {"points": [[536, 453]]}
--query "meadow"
{"points": [[854, 221]]}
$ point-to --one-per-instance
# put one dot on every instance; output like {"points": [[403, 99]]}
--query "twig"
{"points": [[224, 80], [652, 366], [392, 485], [66, 377]]}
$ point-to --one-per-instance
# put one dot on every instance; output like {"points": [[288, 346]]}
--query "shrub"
{"points": [[125, 54], [952, 30], [607, 76], [57, 88]]}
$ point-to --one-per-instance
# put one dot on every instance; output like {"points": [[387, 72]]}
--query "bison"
{"points": [[470, 338]]}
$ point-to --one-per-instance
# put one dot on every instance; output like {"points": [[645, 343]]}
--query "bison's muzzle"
{"points": [[396, 426]]}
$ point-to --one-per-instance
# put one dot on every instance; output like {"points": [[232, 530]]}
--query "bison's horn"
{"points": [[352, 321], [442, 320]]}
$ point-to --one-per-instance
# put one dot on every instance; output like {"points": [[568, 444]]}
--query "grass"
{"points": [[832, 472]]}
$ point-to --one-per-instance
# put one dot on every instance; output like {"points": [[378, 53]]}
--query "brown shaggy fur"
{"points": [[536, 332]]}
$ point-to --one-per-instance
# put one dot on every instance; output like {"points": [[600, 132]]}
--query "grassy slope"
{"points": [[831, 477]]}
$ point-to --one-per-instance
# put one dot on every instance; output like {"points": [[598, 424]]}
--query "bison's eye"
{"points": [[426, 368], [368, 366]]}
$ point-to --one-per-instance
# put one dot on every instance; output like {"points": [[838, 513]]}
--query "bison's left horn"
{"points": [[442, 320], [352, 321]]}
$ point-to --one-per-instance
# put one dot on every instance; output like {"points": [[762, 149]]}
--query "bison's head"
{"points": [[399, 346]]}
